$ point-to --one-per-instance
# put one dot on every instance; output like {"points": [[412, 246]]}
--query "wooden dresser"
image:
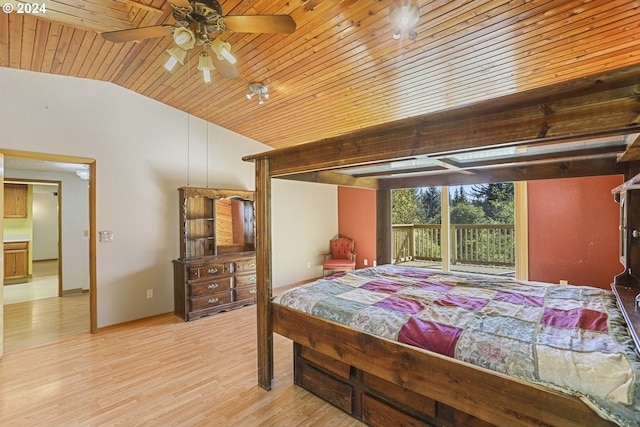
{"points": [[216, 270], [213, 284]]}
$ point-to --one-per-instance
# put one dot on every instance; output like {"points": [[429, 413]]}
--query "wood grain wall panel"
{"points": [[28, 36], [15, 40], [85, 54], [42, 32], [63, 50], [341, 70], [51, 50]]}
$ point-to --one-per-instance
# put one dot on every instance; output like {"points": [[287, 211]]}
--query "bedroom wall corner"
{"points": [[573, 230], [357, 220], [304, 219]]}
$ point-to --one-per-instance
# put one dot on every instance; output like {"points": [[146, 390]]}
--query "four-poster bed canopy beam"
{"points": [[571, 168], [603, 104]]}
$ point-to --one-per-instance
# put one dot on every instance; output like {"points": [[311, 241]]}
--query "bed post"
{"points": [[383, 225], [263, 272]]}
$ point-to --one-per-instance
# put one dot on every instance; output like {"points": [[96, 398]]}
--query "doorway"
{"points": [[73, 306], [41, 229]]}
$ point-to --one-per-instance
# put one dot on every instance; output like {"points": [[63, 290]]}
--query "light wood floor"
{"points": [[31, 323], [158, 372], [36, 321]]}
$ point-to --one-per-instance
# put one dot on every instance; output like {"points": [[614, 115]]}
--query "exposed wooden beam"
{"points": [[325, 177], [602, 104], [509, 172], [632, 152], [538, 157]]}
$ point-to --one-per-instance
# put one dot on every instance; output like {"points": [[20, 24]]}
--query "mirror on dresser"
{"points": [[216, 268]]}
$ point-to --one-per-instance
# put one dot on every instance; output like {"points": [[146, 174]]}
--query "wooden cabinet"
{"points": [[16, 260], [216, 268], [626, 285], [214, 221], [15, 200], [209, 285]]}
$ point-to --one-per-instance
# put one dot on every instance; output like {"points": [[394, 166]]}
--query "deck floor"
{"points": [[492, 270]]}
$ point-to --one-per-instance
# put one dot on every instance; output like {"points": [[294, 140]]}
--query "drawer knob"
{"points": [[253, 291], [212, 286], [213, 300], [252, 264], [212, 271], [252, 278]]}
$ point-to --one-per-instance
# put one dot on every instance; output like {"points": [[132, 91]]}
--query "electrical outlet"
{"points": [[149, 293], [366, 261], [564, 282], [308, 264]]}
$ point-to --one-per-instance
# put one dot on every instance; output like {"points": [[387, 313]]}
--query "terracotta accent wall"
{"points": [[357, 220], [573, 230]]}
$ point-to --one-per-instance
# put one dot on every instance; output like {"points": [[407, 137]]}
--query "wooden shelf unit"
{"points": [[216, 268], [626, 285]]}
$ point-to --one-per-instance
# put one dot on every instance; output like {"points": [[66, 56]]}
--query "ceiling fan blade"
{"points": [[225, 68], [137, 34], [260, 23]]}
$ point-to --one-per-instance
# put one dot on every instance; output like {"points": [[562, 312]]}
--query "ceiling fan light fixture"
{"points": [[403, 19], [222, 50], [176, 55], [259, 89], [184, 38], [205, 64]]}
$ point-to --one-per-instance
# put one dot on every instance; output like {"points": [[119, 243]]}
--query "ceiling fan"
{"points": [[198, 21]]}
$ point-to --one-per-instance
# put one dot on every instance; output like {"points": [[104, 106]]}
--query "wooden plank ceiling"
{"points": [[341, 70]]}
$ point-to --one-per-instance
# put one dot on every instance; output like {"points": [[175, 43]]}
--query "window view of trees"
{"points": [[481, 219], [476, 204]]}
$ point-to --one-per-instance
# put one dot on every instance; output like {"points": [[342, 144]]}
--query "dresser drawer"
{"points": [[208, 301], [245, 280], [210, 287], [208, 270], [244, 294], [246, 265]]}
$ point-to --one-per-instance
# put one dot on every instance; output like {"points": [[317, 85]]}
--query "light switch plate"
{"points": [[106, 236]]}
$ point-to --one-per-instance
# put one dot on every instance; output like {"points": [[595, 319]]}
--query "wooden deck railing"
{"points": [[486, 244]]}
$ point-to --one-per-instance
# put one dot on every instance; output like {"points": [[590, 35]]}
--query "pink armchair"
{"points": [[341, 256]]}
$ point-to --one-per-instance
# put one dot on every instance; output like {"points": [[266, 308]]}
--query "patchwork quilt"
{"points": [[569, 338]]}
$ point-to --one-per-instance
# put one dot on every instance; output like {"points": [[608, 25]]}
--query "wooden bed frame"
{"points": [[383, 382]]}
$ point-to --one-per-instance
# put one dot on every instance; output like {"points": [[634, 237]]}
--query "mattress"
{"points": [[572, 339]]}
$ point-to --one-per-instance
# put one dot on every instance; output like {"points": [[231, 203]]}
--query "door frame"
{"points": [[58, 185], [93, 297]]}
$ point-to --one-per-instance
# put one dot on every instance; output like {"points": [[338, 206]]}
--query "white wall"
{"points": [[144, 151], [305, 218], [45, 222], [75, 215]]}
